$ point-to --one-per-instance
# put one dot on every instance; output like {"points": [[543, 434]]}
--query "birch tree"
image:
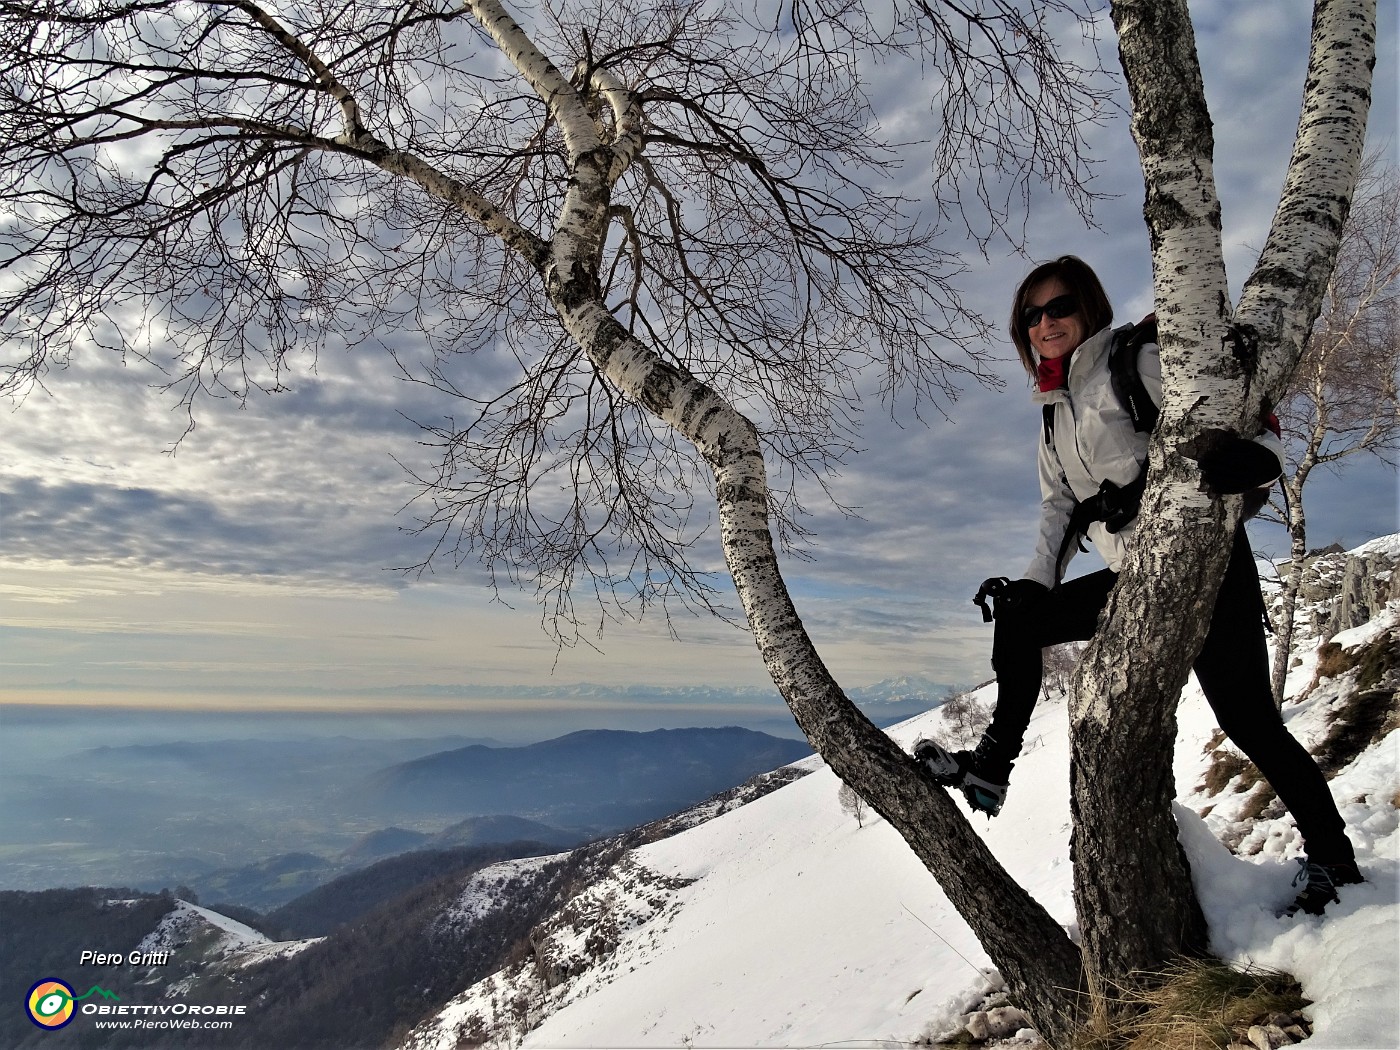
{"points": [[657, 224], [1224, 366], [671, 231], [1342, 400]]}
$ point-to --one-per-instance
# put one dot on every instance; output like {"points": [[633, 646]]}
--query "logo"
{"points": [[50, 1002]]}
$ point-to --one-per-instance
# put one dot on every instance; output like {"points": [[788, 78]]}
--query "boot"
{"points": [[981, 774], [1320, 882], [987, 776]]}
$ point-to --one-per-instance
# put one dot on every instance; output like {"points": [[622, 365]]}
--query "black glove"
{"points": [[1236, 465], [1009, 594]]}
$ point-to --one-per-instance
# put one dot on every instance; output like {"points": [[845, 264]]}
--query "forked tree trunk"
{"points": [[1136, 905]]}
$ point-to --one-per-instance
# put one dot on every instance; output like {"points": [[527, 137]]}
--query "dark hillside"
{"points": [[607, 778], [42, 935], [350, 897]]}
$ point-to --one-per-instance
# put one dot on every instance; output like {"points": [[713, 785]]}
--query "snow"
{"points": [[236, 943], [1386, 545], [237, 935], [484, 890], [787, 924]]}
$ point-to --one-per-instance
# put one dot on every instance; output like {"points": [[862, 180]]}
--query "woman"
{"points": [[1091, 461]]}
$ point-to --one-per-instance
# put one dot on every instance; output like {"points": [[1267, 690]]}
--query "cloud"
{"points": [[304, 489]]}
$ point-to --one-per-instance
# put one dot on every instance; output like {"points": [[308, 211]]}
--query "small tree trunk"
{"points": [[1292, 583]]}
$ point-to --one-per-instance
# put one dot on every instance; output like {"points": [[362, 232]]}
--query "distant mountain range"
{"points": [[913, 690], [474, 831], [606, 778], [256, 823], [374, 950], [910, 689]]}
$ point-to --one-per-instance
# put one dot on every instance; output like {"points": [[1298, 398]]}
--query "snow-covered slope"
{"points": [[215, 939], [785, 923]]}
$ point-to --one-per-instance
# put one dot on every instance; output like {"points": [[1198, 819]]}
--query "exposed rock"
{"points": [[1339, 591], [1267, 1037], [1001, 1022], [1368, 582]]}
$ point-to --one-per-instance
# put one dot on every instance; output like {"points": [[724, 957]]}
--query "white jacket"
{"points": [[1094, 441]]}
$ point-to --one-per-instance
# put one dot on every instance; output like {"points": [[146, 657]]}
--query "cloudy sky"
{"points": [[255, 565]]}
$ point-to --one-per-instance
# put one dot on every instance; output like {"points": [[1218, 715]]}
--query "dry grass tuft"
{"points": [[1196, 1005], [1225, 766], [1333, 661]]}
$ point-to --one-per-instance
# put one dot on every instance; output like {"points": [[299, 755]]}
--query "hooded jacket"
{"points": [[1094, 441]]}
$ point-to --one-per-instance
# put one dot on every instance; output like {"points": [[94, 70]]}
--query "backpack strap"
{"points": [[1116, 506], [1123, 373], [1127, 381]]}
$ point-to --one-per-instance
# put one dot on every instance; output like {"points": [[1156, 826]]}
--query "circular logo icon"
{"points": [[51, 1003]]}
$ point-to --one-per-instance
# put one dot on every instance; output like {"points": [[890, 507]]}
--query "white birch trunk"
{"points": [[1133, 891], [1025, 943]]}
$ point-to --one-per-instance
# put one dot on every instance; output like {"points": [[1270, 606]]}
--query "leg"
{"points": [[1233, 670], [1070, 613]]}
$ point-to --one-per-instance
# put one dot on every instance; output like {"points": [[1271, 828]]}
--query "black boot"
{"points": [[1320, 882], [982, 774], [986, 777]]}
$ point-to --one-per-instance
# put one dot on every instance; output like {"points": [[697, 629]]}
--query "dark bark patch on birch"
{"points": [[1242, 340]]}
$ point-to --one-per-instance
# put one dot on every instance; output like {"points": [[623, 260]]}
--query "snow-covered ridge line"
{"points": [[231, 943]]}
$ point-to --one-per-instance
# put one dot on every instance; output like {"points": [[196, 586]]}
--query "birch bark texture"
{"points": [[1026, 944], [1222, 369]]}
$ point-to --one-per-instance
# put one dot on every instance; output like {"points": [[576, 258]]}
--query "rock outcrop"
{"points": [[1341, 590]]}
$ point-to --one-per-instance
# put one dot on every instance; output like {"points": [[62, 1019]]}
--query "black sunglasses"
{"points": [[1059, 307]]}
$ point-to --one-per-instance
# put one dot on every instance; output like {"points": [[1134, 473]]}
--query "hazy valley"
{"points": [[257, 822]]}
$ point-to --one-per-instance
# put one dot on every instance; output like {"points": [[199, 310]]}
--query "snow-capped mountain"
{"points": [[786, 922]]}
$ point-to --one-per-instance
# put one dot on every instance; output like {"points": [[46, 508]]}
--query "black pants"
{"points": [[1233, 670]]}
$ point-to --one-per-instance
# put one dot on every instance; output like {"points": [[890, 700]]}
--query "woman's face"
{"points": [[1053, 337]]}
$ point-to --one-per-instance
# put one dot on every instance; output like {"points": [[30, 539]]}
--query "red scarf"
{"points": [[1053, 372]]}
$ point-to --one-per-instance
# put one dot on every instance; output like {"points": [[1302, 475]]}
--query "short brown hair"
{"points": [[1081, 281]]}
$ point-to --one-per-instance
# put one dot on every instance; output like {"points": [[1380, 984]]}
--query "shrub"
{"points": [[1225, 766], [1332, 661]]}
